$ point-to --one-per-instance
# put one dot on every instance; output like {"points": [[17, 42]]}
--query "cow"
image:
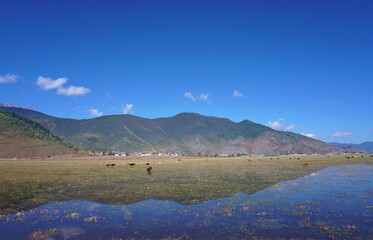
{"points": [[112, 165], [107, 165], [249, 160], [147, 163], [131, 164], [305, 165], [149, 169]]}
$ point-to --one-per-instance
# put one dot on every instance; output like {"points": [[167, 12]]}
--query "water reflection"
{"points": [[335, 202]]}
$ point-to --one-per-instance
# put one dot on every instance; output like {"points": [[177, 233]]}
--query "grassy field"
{"points": [[30, 183]]}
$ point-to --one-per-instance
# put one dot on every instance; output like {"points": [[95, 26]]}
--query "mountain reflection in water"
{"points": [[335, 202]]}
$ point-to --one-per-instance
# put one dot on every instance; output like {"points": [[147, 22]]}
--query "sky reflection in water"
{"points": [[333, 202]]}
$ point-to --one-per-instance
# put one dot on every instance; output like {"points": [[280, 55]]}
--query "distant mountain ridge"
{"points": [[185, 133], [14, 106], [366, 146]]}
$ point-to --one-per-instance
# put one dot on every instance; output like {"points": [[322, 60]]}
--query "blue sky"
{"points": [[304, 66]]}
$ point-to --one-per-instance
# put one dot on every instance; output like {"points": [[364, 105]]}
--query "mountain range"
{"points": [[188, 133], [366, 146], [23, 138]]}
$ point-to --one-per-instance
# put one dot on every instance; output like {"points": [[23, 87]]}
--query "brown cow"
{"points": [[147, 163], [305, 165], [107, 165], [112, 165], [131, 164], [149, 169]]}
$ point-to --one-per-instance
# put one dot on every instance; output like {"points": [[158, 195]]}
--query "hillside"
{"points": [[23, 138], [186, 132], [366, 146]]}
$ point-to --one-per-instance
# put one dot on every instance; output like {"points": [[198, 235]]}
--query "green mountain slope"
{"points": [[185, 132], [246, 129], [21, 137]]}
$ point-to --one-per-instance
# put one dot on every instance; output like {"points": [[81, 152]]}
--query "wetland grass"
{"points": [[26, 184]]}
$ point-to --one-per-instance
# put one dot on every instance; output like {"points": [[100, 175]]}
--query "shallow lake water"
{"points": [[333, 203]]}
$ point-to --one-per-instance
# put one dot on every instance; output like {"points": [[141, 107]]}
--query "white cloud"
{"points": [[204, 97], [48, 84], [128, 108], [237, 94], [190, 96], [9, 78], [309, 135], [279, 124], [341, 134], [288, 128], [95, 112], [276, 124], [73, 91]]}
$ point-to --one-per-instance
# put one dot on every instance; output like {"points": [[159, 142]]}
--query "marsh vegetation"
{"points": [[332, 203], [25, 184]]}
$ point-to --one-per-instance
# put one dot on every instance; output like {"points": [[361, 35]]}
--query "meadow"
{"points": [[25, 184]]}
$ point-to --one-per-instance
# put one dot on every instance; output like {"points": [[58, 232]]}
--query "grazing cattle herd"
{"points": [[149, 169]]}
